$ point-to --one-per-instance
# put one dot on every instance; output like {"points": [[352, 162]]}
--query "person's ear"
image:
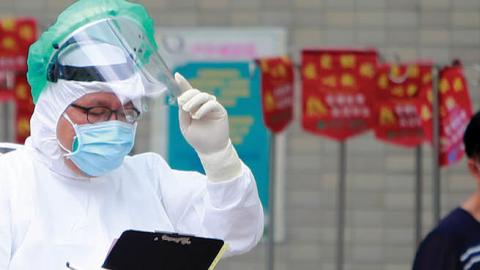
{"points": [[474, 169]]}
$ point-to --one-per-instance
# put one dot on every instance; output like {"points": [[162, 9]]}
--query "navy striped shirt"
{"points": [[454, 244]]}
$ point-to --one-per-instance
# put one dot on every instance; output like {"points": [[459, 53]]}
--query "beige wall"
{"points": [[380, 178]]}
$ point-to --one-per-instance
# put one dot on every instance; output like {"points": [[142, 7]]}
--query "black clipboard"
{"points": [[137, 250]]}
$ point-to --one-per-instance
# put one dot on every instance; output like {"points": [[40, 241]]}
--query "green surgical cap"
{"points": [[75, 16]]}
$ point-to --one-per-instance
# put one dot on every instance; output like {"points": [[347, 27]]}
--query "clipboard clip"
{"points": [[176, 238], [175, 234], [71, 267]]}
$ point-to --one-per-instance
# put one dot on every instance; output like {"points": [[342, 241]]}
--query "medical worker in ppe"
{"points": [[72, 190]]}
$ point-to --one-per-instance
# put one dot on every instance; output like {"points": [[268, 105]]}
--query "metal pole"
{"points": [[271, 206], [418, 195], [436, 188], [341, 204], [7, 123]]}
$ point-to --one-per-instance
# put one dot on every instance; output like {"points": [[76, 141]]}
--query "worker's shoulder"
{"points": [[14, 166], [148, 158], [16, 157]]}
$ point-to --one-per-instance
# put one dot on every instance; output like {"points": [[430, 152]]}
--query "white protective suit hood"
{"points": [[51, 104]]}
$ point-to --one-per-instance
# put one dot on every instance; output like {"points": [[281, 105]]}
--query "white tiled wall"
{"points": [[380, 178]]}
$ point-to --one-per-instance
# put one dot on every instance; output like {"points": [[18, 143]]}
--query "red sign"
{"points": [[16, 35], [277, 92], [455, 113], [336, 91], [24, 108], [399, 98]]}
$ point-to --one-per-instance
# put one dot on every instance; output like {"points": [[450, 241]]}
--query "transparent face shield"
{"points": [[115, 53]]}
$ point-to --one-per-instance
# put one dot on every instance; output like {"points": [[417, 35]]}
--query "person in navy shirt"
{"points": [[455, 242]]}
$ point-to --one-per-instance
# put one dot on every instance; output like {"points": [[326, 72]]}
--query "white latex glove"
{"points": [[204, 124]]}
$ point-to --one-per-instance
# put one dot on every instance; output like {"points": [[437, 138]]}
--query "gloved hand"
{"points": [[204, 124]]}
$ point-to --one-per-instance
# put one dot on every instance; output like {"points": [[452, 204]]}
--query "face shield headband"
{"points": [[110, 50], [99, 73]]}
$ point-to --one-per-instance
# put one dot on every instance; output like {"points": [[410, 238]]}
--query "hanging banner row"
{"points": [[347, 92]]}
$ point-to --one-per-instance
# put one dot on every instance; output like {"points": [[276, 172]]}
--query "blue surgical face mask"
{"points": [[101, 147]]}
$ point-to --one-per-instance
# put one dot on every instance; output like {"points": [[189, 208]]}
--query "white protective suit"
{"points": [[49, 216]]}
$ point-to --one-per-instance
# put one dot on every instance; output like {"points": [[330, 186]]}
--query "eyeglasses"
{"points": [[97, 114]]}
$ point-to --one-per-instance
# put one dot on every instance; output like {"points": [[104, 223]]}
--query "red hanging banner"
{"points": [[277, 92], [336, 91], [16, 35], [24, 108], [455, 113], [398, 101]]}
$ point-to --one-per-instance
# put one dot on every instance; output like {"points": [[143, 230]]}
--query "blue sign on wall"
{"points": [[237, 87]]}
